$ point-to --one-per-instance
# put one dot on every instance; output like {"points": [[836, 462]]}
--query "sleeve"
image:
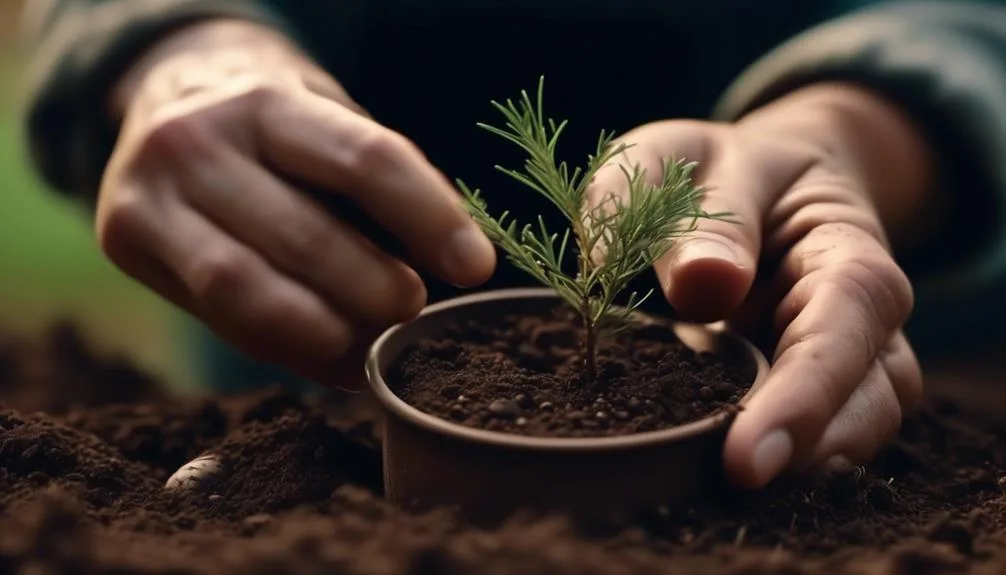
{"points": [[78, 48], [944, 64]]}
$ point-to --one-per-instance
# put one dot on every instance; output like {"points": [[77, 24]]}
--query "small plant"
{"points": [[631, 234]]}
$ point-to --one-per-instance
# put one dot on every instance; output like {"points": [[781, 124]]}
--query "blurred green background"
{"points": [[50, 265]]}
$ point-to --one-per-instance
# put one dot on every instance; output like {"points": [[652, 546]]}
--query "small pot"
{"points": [[487, 475]]}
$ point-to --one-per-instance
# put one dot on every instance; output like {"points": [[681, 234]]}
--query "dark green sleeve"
{"points": [[79, 48], [945, 65]]}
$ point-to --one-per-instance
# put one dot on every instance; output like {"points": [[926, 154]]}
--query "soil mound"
{"points": [[299, 490]]}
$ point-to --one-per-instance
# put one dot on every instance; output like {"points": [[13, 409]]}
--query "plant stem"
{"points": [[589, 326], [590, 341]]}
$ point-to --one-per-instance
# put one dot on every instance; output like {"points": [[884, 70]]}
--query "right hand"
{"points": [[220, 124]]}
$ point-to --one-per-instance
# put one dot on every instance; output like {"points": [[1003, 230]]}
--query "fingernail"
{"points": [[708, 249], [467, 252], [837, 464], [772, 455]]}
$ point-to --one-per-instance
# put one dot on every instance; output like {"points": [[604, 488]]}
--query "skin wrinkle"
{"points": [[873, 406]]}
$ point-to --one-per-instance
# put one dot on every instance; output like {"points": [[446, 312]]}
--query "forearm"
{"points": [[198, 56]]}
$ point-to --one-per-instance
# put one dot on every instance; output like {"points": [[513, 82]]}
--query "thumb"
{"points": [[707, 273]]}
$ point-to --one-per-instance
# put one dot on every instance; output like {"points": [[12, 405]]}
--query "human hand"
{"points": [[223, 124], [818, 182]]}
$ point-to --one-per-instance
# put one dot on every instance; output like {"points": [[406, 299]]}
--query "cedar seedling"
{"points": [[632, 231]]}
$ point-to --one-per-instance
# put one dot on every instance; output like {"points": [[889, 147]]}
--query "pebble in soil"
{"points": [[525, 376]]}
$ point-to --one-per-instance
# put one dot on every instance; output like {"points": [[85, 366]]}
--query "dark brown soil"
{"points": [[526, 376], [299, 492]]}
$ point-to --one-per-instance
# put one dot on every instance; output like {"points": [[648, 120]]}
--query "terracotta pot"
{"points": [[486, 475]]}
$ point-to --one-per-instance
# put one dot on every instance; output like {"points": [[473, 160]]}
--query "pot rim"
{"points": [[432, 423]]}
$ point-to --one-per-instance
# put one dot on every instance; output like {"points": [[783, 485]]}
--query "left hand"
{"points": [[816, 186]]}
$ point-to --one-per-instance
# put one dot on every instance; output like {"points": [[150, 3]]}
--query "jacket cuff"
{"points": [[942, 64], [69, 135]]}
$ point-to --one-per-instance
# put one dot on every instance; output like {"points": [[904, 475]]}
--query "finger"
{"points": [[245, 301], [322, 143], [127, 218], [305, 242], [866, 423], [873, 415], [849, 300], [706, 275], [902, 366]]}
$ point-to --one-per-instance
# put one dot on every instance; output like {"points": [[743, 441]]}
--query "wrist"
{"points": [[198, 56], [874, 142]]}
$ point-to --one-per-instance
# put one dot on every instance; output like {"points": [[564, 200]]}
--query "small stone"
{"points": [[257, 520], [458, 413], [504, 408], [195, 473], [634, 403], [623, 415], [602, 415], [215, 497], [461, 399], [524, 400], [576, 415], [546, 406], [521, 421], [706, 392]]}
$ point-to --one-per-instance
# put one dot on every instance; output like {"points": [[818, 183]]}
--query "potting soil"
{"points": [[525, 375]]}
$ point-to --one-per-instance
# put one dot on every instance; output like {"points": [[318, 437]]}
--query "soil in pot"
{"points": [[524, 374]]}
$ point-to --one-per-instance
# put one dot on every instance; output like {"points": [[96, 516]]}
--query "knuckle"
{"points": [[397, 296], [122, 215], [878, 285], [183, 128], [408, 299], [308, 332], [830, 207], [173, 132], [305, 244], [259, 94], [218, 272], [828, 390], [379, 148]]}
